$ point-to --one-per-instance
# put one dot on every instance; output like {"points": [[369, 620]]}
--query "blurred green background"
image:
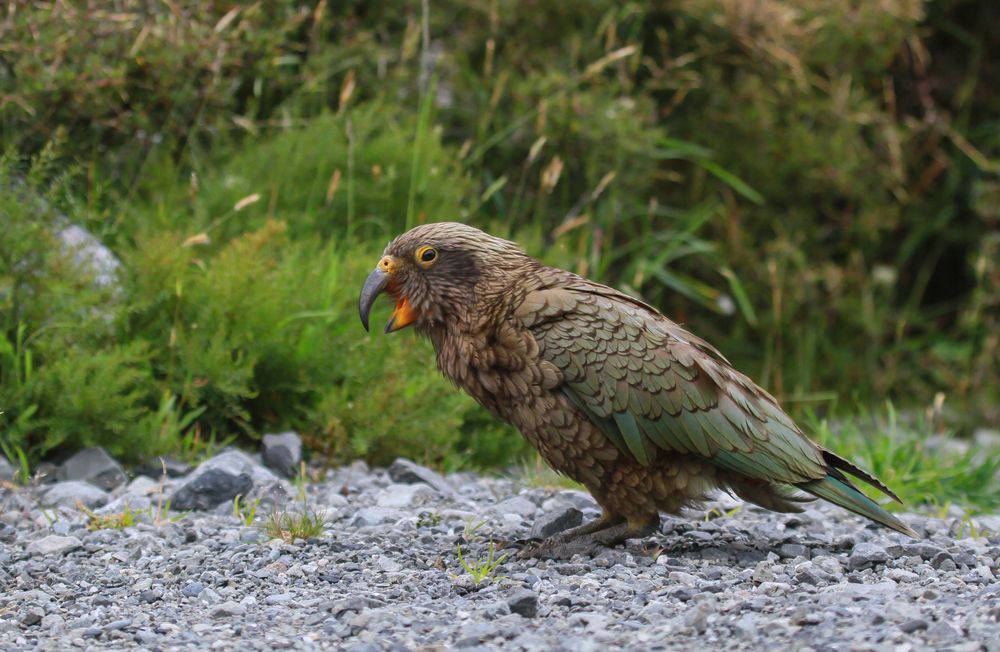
{"points": [[813, 186]]}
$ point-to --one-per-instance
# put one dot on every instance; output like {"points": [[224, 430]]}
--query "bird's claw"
{"points": [[554, 548]]}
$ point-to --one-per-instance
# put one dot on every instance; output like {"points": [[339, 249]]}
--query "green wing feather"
{"points": [[650, 385]]}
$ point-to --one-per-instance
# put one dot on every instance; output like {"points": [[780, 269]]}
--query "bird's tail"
{"points": [[840, 491]]}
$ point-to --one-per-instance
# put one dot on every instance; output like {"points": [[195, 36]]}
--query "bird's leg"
{"points": [[605, 521], [630, 529], [591, 538]]}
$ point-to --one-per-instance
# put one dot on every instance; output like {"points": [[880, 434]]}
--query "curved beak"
{"points": [[374, 286], [379, 281]]}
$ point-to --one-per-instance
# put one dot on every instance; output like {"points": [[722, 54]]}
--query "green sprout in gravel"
{"points": [[292, 526], [482, 569], [245, 512], [127, 518], [301, 524], [479, 570]]}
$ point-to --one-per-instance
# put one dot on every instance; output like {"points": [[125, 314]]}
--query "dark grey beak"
{"points": [[374, 286]]}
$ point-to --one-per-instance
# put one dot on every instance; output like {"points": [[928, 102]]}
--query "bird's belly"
{"points": [[575, 447]]}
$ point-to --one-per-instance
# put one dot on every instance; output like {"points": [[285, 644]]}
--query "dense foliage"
{"points": [[813, 186]]}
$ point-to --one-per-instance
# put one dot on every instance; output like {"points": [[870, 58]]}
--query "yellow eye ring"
{"points": [[425, 256]]}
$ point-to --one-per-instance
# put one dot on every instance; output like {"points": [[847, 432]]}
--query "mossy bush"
{"points": [[208, 335]]}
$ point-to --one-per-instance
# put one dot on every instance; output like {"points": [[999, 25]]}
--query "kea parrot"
{"points": [[647, 416]]}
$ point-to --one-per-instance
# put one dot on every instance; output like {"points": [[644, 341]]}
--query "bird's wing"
{"points": [[648, 384]]}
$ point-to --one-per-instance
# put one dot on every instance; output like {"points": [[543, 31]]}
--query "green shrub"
{"points": [[65, 381]]}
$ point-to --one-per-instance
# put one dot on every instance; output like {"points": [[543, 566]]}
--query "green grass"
{"points": [[482, 569], [290, 526], [245, 512], [923, 477]]}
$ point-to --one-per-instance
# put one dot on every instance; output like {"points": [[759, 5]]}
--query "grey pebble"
{"points": [[914, 625], [524, 603], [868, 554], [193, 589], [227, 609], [53, 544]]}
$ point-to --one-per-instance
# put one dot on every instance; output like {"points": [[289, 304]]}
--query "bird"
{"points": [[647, 416]]}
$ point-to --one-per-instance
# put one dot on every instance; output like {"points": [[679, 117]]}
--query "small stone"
{"points": [[866, 555], [809, 573], [228, 609], [829, 565], [942, 632], [405, 471], [763, 572], [72, 493], [524, 602], [388, 565], [119, 624], [32, 617], [697, 617], [517, 505], [356, 604], [193, 589], [279, 598], [52, 621], [404, 495], [914, 625], [687, 579], [367, 516], [95, 466], [53, 544], [150, 595], [282, 453], [555, 522], [210, 489], [792, 550]]}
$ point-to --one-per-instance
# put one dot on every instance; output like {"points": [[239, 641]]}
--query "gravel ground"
{"points": [[385, 573]]}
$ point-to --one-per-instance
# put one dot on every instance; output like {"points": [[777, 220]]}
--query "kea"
{"points": [[647, 416]]}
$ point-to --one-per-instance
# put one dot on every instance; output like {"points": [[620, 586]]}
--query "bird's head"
{"points": [[434, 273]]}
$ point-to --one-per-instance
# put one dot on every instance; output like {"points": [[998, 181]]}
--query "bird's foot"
{"points": [[589, 542]]}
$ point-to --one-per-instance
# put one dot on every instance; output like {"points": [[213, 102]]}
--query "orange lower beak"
{"points": [[402, 316]]}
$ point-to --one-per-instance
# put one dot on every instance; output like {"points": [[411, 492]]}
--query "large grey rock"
{"points": [[210, 489], [95, 466], [555, 522], [408, 472], [70, 493], [53, 545], [282, 453], [222, 478]]}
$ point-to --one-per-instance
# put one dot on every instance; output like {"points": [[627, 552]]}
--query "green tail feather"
{"points": [[842, 493]]}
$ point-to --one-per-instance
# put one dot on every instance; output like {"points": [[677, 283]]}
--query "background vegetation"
{"points": [[813, 186]]}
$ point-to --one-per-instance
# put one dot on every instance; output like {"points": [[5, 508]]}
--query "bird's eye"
{"points": [[426, 256]]}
